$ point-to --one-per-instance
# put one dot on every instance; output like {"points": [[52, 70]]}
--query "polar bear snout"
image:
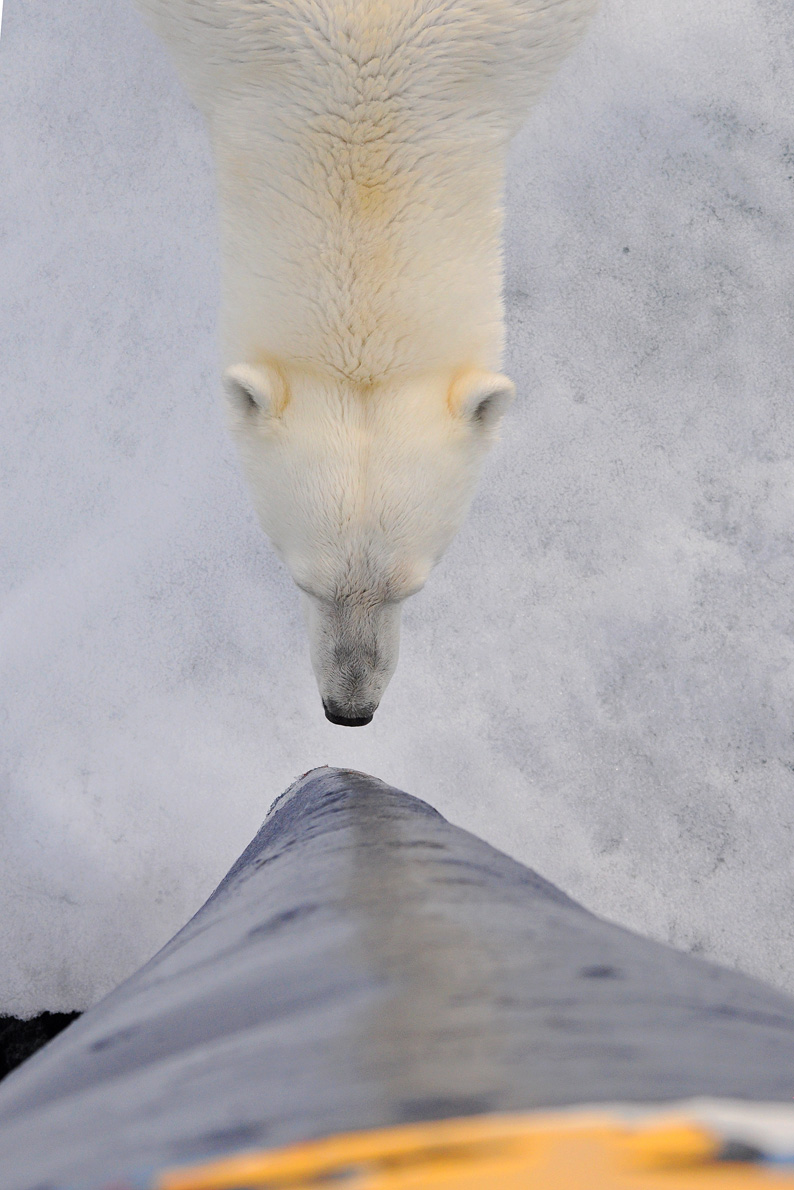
{"points": [[354, 646], [337, 716]]}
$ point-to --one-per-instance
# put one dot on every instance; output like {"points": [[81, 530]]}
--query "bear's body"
{"points": [[360, 156]]}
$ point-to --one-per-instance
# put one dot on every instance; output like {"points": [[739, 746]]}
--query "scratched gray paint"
{"points": [[365, 963]]}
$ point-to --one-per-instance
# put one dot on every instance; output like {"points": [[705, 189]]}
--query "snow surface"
{"points": [[598, 676]]}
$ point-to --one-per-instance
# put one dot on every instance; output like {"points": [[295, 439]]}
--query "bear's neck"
{"points": [[365, 252]]}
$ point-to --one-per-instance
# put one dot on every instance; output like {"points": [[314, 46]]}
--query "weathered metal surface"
{"points": [[365, 963]]}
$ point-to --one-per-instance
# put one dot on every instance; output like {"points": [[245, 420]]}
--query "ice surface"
{"points": [[598, 676]]}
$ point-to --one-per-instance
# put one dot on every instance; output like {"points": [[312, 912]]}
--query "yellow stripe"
{"points": [[572, 1151]]}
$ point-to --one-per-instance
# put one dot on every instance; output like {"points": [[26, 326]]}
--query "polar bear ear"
{"points": [[254, 388], [482, 398]]}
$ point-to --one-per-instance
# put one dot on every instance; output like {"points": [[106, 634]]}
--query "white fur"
{"points": [[360, 156]]}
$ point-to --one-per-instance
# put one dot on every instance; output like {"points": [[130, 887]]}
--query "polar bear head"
{"points": [[360, 488]]}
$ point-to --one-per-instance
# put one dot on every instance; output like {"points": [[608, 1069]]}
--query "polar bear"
{"points": [[360, 149]]}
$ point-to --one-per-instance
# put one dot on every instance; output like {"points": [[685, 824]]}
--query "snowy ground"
{"points": [[597, 678]]}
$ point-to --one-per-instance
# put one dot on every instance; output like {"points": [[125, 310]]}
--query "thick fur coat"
{"points": [[360, 149]]}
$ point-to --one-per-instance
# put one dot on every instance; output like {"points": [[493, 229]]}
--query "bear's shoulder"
{"points": [[492, 52]]}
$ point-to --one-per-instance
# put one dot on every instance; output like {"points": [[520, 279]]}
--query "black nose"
{"points": [[343, 721]]}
